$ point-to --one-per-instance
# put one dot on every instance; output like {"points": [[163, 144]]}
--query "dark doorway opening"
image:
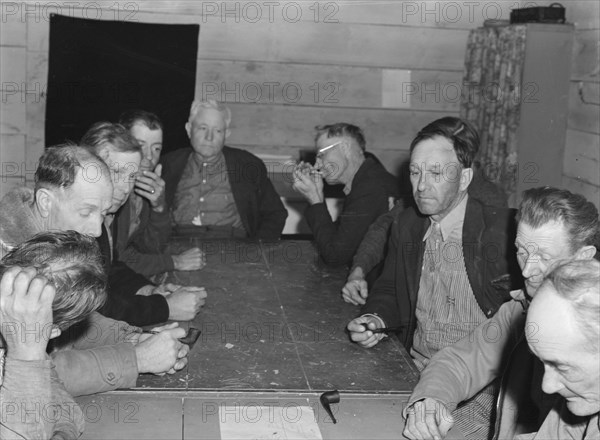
{"points": [[97, 69]]}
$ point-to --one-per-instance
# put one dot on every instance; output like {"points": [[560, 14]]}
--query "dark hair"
{"points": [[131, 117], [103, 134], [73, 263], [59, 164], [458, 132], [342, 129], [578, 282], [546, 204]]}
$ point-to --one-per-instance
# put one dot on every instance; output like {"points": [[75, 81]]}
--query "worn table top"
{"points": [[272, 341], [274, 320]]}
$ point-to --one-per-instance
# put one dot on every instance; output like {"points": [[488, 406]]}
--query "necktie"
{"points": [[435, 239]]}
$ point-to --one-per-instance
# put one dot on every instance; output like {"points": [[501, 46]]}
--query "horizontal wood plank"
{"points": [[285, 41], [443, 14], [290, 125], [323, 85]]}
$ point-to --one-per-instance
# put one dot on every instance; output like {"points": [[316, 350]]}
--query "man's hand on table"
{"points": [[184, 301], [308, 182], [162, 352], [26, 305], [192, 259], [363, 337], [428, 419], [355, 291]]}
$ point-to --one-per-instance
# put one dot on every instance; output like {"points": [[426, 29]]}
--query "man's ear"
{"points": [[55, 332], [44, 199], [188, 129], [466, 176], [586, 253], [227, 133]]}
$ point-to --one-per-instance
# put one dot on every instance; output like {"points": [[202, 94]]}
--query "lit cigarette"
{"points": [[328, 147]]}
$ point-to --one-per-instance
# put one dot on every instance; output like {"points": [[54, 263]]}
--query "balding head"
{"points": [[73, 190]]}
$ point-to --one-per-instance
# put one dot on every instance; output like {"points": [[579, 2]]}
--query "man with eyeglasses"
{"points": [[370, 190]]}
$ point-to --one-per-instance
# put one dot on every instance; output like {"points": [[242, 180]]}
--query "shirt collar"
{"points": [[452, 221], [213, 162]]}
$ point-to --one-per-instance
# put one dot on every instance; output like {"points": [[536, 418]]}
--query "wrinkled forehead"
{"points": [[552, 237], [116, 160], [437, 150], [209, 116]]}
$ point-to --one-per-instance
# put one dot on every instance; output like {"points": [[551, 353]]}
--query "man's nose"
{"points": [[95, 228], [422, 183], [531, 267], [209, 135], [551, 383]]}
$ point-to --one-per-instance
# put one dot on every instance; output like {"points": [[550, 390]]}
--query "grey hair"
{"points": [[578, 282], [198, 106]]}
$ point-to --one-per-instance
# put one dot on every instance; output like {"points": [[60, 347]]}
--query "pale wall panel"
{"points": [[13, 66], [294, 126], [13, 28], [459, 15], [322, 85], [8, 183], [584, 116], [586, 51], [12, 111], [582, 157], [590, 192]]}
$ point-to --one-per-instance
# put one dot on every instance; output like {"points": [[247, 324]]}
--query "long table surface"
{"points": [[274, 320], [273, 335]]}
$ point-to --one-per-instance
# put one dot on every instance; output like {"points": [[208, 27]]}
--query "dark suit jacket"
{"points": [[122, 303], [143, 252], [258, 204], [490, 260], [371, 189]]}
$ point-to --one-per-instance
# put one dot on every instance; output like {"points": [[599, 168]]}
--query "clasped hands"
{"points": [[308, 181]]}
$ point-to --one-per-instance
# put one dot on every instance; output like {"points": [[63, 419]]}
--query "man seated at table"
{"points": [[370, 190], [372, 248], [218, 191], [48, 283], [439, 280], [132, 297], [566, 315], [73, 191], [143, 223], [554, 225]]}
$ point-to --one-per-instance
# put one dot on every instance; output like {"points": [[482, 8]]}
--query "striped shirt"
{"points": [[446, 307]]}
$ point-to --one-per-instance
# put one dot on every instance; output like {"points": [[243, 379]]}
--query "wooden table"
{"points": [[273, 332]]}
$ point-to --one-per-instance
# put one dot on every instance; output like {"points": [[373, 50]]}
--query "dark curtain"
{"points": [[491, 98], [99, 68]]}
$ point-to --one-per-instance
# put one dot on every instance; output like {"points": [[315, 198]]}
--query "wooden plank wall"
{"points": [[285, 66], [581, 172]]}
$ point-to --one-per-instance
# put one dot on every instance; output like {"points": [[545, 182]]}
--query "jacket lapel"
{"points": [[473, 228]]}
